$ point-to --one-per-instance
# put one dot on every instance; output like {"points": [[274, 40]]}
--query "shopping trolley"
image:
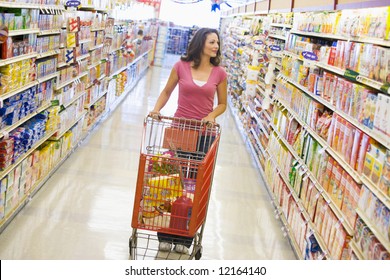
{"points": [[175, 173]]}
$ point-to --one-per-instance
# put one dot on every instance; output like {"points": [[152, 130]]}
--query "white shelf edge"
{"points": [[374, 230]]}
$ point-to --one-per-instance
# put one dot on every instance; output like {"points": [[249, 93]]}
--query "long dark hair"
{"points": [[196, 45]]}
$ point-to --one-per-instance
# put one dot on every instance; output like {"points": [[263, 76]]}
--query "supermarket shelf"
{"points": [[23, 32], [116, 49], [81, 57], [256, 159], [289, 233], [381, 42], [98, 29], [354, 174], [101, 10], [16, 91], [96, 47], [330, 68], [30, 6], [51, 8], [259, 122], [77, 119], [258, 142], [382, 239], [117, 72], [71, 81], [280, 215], [319, 187], [94, 83], [34, 189], [257, 103], [48, 53], [236, 113], [25, 155], [73, 99], [86, 7], [280, 37], [385, 199], [48, 77], [49, 32], [62, 64], [126, 91], [356, 250], [260, 89], [87, 106], [253, 153], [5, 131], [382, 139], [97, 120], [360, 78], [287, 228], [85, 41], [11, 60], [289, 26], [302, 209], [94, 65], [379, 137]]}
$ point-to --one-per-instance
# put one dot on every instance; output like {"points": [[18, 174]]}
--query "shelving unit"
{"points": [[294, 178], [62, 89]]}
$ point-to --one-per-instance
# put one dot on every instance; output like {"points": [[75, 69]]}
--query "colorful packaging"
{"points": [[366, 141]]}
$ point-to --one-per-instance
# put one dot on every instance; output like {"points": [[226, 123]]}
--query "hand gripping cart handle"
{"points": [[175, 172]]}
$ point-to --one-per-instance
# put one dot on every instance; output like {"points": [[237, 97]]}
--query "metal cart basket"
{"points": [[175, 173]]}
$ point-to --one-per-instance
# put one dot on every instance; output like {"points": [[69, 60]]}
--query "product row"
{"points": [[316, 121]]}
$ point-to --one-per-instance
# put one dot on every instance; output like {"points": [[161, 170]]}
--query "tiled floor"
{"points": [[84, 210]]}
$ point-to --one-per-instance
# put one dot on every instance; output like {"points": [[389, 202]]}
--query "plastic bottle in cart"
{"points": [[181, 213]]}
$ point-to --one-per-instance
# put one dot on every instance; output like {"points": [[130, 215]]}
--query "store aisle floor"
{"points": [[84, 210]]}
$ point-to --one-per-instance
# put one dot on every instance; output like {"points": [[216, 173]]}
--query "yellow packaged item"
{"points": [[162, 188]]}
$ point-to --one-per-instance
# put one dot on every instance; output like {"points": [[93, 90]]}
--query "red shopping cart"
{"points": [[175, 173]]}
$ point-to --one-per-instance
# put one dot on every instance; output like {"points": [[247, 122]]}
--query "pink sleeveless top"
{"points": [[196, 102]]}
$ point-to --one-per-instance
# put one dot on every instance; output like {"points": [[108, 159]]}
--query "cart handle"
{"points": [[159, 117]]}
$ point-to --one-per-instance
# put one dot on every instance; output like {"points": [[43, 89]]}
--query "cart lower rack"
{"points": [[175, 173]]}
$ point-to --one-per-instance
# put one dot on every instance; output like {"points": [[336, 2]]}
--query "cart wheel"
{"points": [[198, 253]]}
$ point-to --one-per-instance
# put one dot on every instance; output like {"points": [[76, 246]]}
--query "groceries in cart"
{"points": [[168, 193]]}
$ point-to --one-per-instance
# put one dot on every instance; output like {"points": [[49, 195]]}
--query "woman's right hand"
{"points": [[155, 115]]}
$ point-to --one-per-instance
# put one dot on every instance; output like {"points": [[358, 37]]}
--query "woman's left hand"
{"points": [[209, 121]]}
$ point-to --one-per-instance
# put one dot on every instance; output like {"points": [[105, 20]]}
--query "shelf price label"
{"points": [[259, 42], [73, 3], [310, 56], [275, 48], [385, 88], [351, 75]]}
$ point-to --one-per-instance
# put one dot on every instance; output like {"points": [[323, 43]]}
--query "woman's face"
{"points": [[211, 45]]}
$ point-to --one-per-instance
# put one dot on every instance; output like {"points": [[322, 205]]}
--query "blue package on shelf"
{"points": [[11, 118], [8, 108]]}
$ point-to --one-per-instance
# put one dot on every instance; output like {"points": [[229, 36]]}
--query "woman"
{"points": [[199, 77]]}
